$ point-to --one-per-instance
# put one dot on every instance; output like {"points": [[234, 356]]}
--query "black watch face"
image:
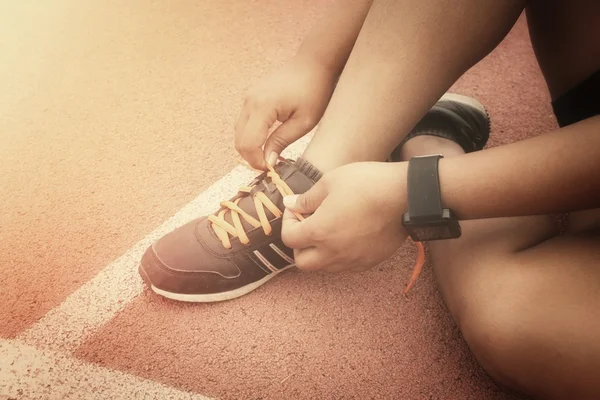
{"points": [[445, 228], [424, 233]]}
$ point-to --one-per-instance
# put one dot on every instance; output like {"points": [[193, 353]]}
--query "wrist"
{"points": [[427, 216], [448, 170], [397, 189]]}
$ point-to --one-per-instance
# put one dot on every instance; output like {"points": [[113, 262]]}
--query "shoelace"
{"points": [[223, 229]]}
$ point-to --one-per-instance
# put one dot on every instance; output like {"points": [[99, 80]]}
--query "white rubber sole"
{"points": [[211, 298], [459, 98]]}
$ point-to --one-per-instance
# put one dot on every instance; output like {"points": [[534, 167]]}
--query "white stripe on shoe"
{"points": [[264, 260], [281, 253]]}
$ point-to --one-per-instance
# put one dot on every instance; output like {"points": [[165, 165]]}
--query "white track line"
{"points": [[65, 327], [26, 372]]}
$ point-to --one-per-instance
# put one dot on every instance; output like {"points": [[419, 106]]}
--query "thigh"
{"points": [[463, 265], [531, 316], [542, 315], [499, 257]]}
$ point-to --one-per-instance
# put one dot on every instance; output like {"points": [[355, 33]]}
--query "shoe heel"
{"points": [[470, 101]]}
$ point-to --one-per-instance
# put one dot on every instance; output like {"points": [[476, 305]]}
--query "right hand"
{"points": [[296, 95]]}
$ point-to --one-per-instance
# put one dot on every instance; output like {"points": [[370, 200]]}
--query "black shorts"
{"points": [[579, 103]]}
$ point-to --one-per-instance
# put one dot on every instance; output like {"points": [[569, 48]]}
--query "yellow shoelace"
{"points": [[223, 229]]}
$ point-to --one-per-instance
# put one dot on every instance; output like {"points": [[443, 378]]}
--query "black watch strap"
{"points": [[424, 197]]}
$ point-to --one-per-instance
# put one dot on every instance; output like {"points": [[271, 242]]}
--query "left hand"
{"points": [[356, 218]]}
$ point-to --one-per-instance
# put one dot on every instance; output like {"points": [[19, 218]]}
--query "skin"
{"points": [[550, 186], [524, 296], [297, 94], [398, 70]]}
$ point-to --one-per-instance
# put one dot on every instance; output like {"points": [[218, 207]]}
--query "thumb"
{"points": [[308, 202], [285, 134]]}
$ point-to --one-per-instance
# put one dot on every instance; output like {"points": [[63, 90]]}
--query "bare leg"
{"points": [[524, 298], [407, 55]]}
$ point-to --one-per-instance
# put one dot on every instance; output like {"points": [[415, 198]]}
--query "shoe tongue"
{"points": [[296, 180]]}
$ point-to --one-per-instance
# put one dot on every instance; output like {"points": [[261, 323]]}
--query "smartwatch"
{"points": [[426, 219]]}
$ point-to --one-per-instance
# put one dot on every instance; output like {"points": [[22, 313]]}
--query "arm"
{"points": [[331, 40], [353, 213], [553, 173], [298, 93]]}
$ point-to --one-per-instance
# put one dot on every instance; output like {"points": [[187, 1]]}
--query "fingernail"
{"points": [[272, 160], [290, 201]]}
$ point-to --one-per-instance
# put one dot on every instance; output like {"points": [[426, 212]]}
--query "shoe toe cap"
{"points": [[182, 251], [179, 262]]}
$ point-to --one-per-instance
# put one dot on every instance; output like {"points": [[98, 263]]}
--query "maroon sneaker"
{"points": [[234, 251]]}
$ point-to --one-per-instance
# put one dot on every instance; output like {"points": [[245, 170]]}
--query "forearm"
{"points": [[331, 40], [553, 173]]}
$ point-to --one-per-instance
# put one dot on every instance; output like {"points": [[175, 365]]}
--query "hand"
{"points": [[356, 218], [296, 96]]}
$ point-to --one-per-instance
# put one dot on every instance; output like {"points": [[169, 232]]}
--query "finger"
{"points": [[308, 202], [286, 134], [311, 259], [250, 143], [294, 233]]}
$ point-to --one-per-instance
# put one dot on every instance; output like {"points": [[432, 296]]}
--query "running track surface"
{"points": [[116, 125]]}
